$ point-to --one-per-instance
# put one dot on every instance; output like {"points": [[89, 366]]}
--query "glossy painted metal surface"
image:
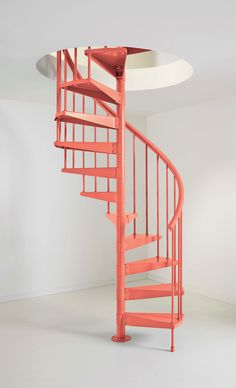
{"points": [[101, 147], [128, 217], [153, 291], [74, 117], [87, 119], [99, 171], [146, 265], [92, 88]]}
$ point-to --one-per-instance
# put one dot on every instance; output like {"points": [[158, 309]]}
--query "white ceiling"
{"points": [[203, 32]]}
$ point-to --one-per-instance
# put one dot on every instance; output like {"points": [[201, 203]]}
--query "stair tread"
{"points": [[128, 217], [161, 320], [139, 240], [101, 147], [92, 88], [110, 59], [150, 291], [103, 196], [146, 265], [106, 172], [135, 50], [87, 119]]}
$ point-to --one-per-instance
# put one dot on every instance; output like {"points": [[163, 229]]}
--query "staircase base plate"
{"points": [[117, 339]]}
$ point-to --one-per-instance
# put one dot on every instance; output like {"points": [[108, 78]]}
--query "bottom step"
{"points": [[158, 320]]}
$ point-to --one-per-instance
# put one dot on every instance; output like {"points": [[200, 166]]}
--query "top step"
{"points": [[112, 59]]}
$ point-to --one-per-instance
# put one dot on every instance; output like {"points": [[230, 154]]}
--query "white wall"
{"points": [[52, 239], [201, 141]]}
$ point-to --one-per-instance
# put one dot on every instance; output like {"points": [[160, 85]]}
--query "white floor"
{"points": [[63, 341]]}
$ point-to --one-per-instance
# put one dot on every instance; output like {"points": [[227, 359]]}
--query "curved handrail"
{"points": [[172, 168], [146, 141]]}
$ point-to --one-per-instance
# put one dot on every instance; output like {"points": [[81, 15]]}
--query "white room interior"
{"points": [[57, 278]]}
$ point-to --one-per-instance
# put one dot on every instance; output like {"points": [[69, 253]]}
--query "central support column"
{"points": [[120, 211]]}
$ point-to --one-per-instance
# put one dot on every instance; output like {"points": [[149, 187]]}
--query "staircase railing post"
{"points": [[120, 224]]}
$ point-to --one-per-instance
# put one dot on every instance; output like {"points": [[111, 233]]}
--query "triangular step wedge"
{"points": [[146, 265], [158, 320], [92, 88], [129, 217], [102, 196], [152, 291], [101, 147], [105, 172], [111, 59], [86, 119], [135, 50], [132, 242]]}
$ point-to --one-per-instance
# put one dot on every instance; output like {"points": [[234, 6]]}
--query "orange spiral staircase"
{"points": [[142, 188]]}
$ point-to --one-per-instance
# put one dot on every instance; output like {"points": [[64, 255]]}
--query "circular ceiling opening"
{"points": [[146, 70]]}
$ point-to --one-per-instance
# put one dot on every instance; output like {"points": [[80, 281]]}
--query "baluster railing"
{"points": [[172, 288], [167, 211], [83, 137], [146, 189], [58, 94], [134, 183], [108, 165], [180, 266], [95, 139], [65, 108], [157, 206], [75, 64]]}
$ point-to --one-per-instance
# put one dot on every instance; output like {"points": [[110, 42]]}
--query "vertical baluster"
{"points": [[73, 132], [146, 184], [89, 64], [58, 94], [65, 108], [175, 227], [108, 165], [180, 265], [181, 258], [83, 154], [158, 206], [95, 139], [179, 268], [75, 64], [172, 289], [167, 211], [134, 182], [73, 104]]}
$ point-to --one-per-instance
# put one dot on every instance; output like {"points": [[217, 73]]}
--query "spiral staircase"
{"points": [[143, 194]]}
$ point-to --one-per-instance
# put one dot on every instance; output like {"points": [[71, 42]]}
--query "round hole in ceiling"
{"points": [[144, 71]]}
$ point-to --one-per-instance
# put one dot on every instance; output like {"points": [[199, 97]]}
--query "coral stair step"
{"points": [[90, 87], [129, 217], [103, 196], [152, 291], [102, 147], [146, 265], [158, 320], [136, 50], [87, 119], [110, 59], [138, 240], [106, 172]]}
